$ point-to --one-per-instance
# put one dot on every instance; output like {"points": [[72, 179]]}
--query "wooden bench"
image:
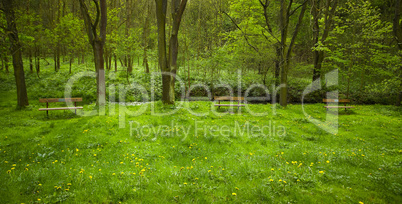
{"points": [[228, 98], [53, 100], [344, 101]]}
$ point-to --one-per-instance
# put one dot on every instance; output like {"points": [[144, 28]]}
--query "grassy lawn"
{"points": [[184, 158]]}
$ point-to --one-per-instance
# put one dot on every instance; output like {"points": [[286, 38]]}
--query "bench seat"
{"points": [[237, 105], [338, 107], [60, 108]]}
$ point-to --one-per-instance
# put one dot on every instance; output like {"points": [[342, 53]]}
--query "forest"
{"points": [[261, 101], [271, 43]]}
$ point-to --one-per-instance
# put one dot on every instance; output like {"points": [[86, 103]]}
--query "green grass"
{"points": [[73, 159]]}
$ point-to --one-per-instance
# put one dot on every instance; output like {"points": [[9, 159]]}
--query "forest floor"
{"points": [[278, 158]]}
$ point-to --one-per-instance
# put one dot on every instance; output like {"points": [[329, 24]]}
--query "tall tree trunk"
{"points": [[170, 67], [97, 42], [22, 97], [318, 55], [161, 7], [286, 54]]}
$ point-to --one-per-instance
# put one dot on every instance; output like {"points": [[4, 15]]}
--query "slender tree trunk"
{"points": [[115, 63], [22, 97], [145, 37], [71, 61], [30, 60], [397, 28], [6, 63], [37, 61]]}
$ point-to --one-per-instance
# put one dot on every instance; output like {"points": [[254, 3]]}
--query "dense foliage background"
{"points": [[217, 39]]}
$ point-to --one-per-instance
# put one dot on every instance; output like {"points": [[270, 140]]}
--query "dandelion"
{"points": [[236, 188], [90, 177], [284, 181], [69, 184], [321, 172], [271, 180], [272, 169], [280, 180], [66, 189], [196, 178], [361, 202], [209, 171], [38, 199], [113, 174], [40, 184], [206, 158], [234, 194], [185, 183], [327, 162], [94, 155]]}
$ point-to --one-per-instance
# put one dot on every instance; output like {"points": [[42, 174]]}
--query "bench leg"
{"points": [[47, 111]]}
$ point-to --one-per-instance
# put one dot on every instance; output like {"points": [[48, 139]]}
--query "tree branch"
{"points": [[291, 13], [97, 17], [299, 22], [87, 21], [245, 36]]}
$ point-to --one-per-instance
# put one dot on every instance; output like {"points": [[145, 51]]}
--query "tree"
{"points": [[329, 11], [284, 51], [397, 28], [97, 42], [168, 62], [15, 50]]}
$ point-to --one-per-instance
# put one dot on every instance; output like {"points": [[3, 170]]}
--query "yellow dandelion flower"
{"points": [[90, 177], [234, 194], [327, 162], [185, 183], [236, 188], [321, 172]]}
